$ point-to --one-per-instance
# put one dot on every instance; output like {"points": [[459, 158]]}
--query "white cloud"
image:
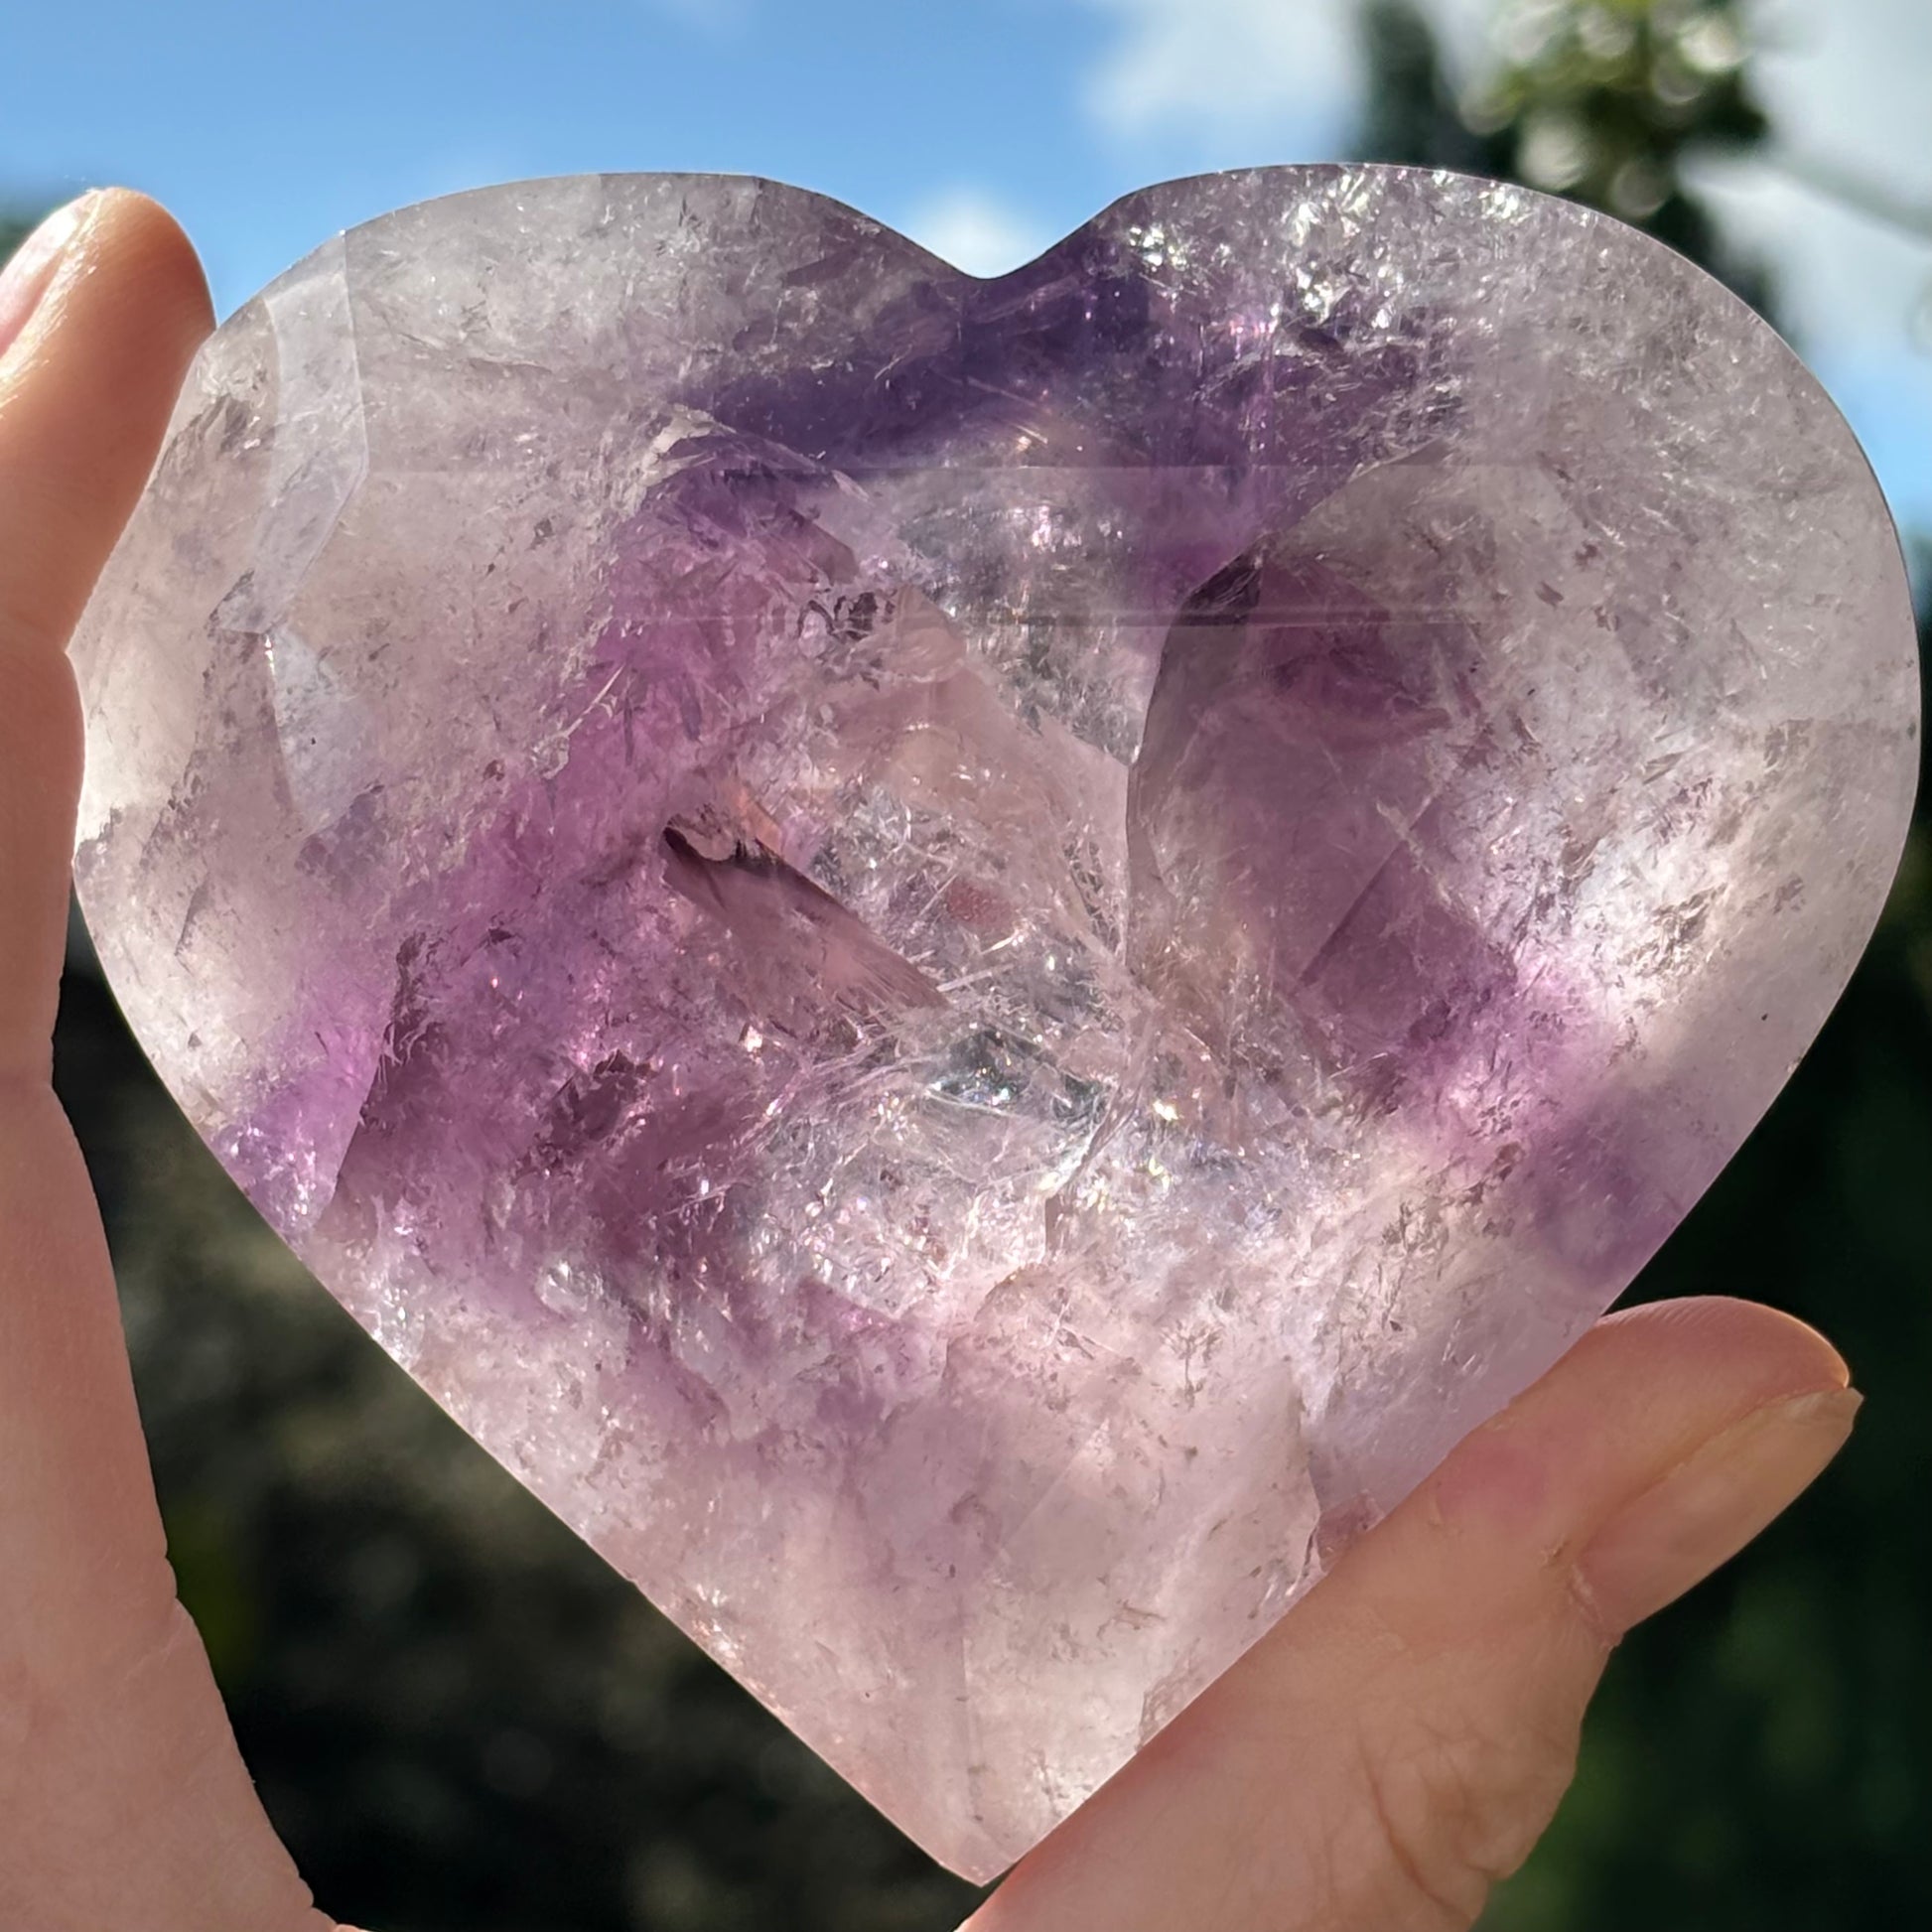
{"points": [[1845, 82], [976, 231], [1853, 71], [1219, 69], [1224, 66]]}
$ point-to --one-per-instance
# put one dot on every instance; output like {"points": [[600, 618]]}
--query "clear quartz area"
{"points": [[967, 961]]}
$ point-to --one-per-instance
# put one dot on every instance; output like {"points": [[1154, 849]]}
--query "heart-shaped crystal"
{"points": [[970, 961]]}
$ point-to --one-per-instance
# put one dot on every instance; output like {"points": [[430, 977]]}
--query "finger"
{"points": [[105, 316], [124, 1800], [1400, 1741]]}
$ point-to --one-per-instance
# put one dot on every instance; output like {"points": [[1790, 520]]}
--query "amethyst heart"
{"points": [[970, 961]]}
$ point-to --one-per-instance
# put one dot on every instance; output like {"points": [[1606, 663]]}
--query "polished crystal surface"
{"points": [[970, 961]]}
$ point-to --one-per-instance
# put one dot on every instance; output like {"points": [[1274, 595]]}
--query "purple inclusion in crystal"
{"points": [[969, 962]]}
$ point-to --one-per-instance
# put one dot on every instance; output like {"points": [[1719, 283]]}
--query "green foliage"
{"points": [[1603, 98], [1601, 101]]}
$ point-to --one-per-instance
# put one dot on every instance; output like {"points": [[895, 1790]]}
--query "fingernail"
{"points": [[30, 270], [1708, 1507]]}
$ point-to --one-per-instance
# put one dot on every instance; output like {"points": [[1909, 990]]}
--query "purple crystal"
{"points": [[969, 962]]}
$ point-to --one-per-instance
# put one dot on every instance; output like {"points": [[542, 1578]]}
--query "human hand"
{"points": [[1395, 1744]]}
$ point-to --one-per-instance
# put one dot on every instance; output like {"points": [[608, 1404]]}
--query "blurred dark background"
{"points": [[461, 1719]]}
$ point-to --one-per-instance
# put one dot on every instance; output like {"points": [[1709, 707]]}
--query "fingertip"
{"points": [[1734, 1336], [85, 393], [151, 262], [120, 258]]}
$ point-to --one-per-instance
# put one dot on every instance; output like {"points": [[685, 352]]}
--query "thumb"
{"points": [[1400, 1742]]}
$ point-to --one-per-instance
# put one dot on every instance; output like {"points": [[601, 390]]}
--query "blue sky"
{"points": [[985, 127], [268, 126]]}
